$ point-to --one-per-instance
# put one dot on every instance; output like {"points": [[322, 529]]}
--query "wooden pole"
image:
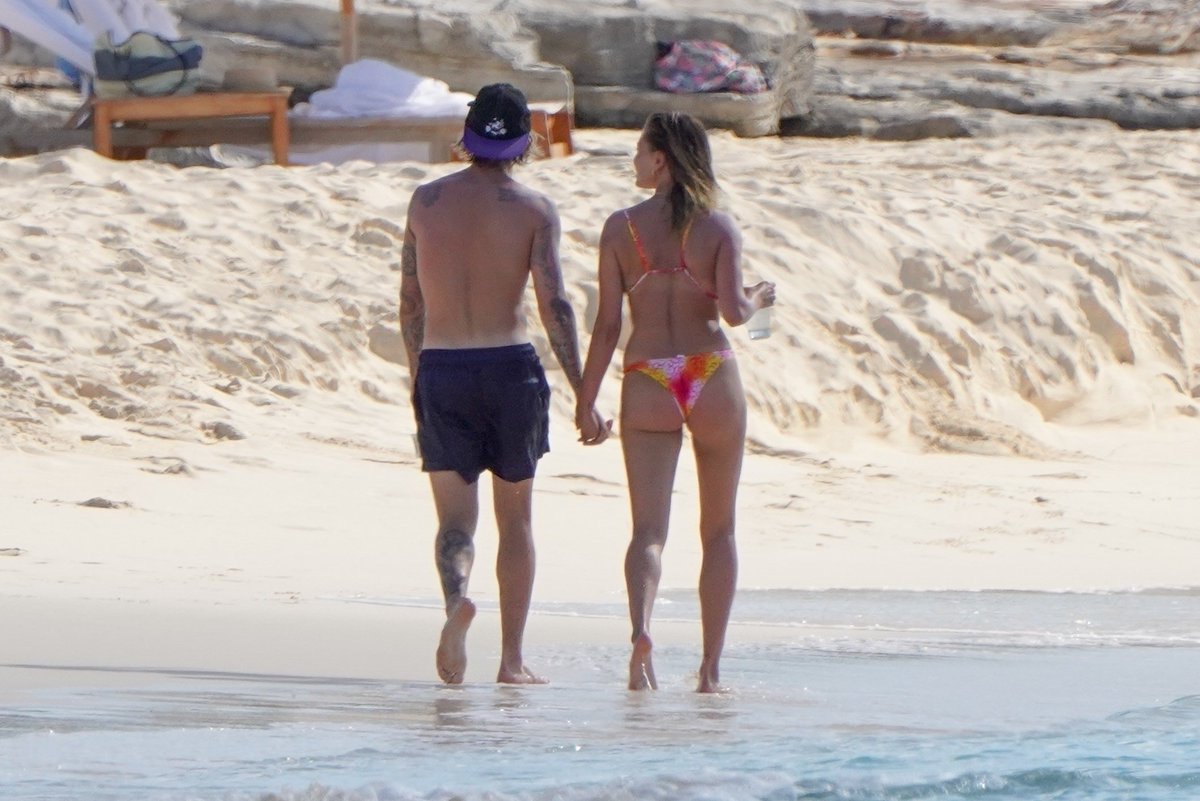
{"points": [[349, 33]]}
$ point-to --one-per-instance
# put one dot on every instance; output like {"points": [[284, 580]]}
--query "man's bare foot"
{"points": [[522, 676], [452, 649], [710, 680], [641, 668]]}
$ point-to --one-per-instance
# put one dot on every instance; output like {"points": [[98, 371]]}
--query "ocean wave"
{"points": [[842, 620], [1063, 784]]}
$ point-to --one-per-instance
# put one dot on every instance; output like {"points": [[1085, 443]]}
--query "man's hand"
{"points": [[593, 428]]}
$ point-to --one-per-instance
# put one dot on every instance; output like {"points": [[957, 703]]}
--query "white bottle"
{"points": [[759, 324]]}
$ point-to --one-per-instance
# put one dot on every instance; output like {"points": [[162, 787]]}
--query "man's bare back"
{"points": [[487, 233]]}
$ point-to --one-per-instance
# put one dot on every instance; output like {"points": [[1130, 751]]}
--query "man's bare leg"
{"points": [[457, 505], [452, 647], [515, 567]]}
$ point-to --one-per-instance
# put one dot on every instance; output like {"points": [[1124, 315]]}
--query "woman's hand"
{"points": [[761, 294], [593, 428]]}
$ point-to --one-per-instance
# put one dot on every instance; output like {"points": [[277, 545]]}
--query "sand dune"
{"points": [[961, 293]]}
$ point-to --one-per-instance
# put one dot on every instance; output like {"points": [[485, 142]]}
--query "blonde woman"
{"points": [[678, 259]]}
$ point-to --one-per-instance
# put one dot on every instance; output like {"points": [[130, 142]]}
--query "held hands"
{"points": [[593, 428]]}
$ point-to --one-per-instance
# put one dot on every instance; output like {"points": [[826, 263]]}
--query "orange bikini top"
{"points": [[648, 270]]}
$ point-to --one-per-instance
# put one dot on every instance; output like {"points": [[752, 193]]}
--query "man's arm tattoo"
{"points": [[408, 257], [560, 327], [566, 345], [412, 304]]}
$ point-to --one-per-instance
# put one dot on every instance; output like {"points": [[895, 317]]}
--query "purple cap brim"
{"points": [[495, 149]]}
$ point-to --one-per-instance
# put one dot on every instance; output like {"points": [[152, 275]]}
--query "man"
{"points": [[480, 396]]}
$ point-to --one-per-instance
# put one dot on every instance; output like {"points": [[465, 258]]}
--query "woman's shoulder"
{"points": [[715, 217], [621, 214], [634, 212], [620, 218], [715, 222]]}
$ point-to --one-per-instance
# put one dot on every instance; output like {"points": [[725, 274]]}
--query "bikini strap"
{"points": [[637, 241], [683, 267]]}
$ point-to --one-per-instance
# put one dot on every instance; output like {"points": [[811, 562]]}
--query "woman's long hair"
{"points": [[684, 142]]}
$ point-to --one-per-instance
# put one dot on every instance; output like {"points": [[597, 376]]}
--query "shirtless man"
{"points": [[480, 396]]}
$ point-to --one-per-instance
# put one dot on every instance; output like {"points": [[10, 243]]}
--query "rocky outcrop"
{"points": [[897, 69], [943, 21], [864, 91], [1136, 26], [887, 69], [624, 107], [300, 42], [609, 47], [890, 69], [606, 49], [31, 102], [1163, 27]]}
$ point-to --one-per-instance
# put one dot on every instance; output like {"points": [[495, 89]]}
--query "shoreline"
{"points": [[203, 399], [105, 597]]}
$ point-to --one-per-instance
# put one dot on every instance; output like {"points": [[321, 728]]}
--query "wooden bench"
{"points": [[167, 111], [191, 121], [555, 129]]}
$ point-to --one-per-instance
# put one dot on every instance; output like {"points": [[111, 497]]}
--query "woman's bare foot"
{"points": [[522, 676], [452, 649], [641, 668], [710, 680]]}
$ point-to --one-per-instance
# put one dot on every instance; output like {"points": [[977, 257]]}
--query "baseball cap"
{"points": [[497, 125]]}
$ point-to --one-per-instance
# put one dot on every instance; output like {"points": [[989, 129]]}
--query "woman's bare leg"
{"points": [[457, 504], [650, 438], [718, 428], [515, 562]]}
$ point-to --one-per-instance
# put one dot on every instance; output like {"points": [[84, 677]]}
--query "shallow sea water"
{"points": [[853, 695]]}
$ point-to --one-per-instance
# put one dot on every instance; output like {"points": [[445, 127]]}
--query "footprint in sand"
{"points": [[167, 466], [104, 503]]}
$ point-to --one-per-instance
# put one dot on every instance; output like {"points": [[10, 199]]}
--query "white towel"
{"points": [[48, 26], [371, 88]]}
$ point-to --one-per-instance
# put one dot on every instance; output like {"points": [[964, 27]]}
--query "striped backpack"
{"points": [[146, 64]]}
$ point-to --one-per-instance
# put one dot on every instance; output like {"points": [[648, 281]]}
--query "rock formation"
{"points": [[896, 69], [887, 69]]}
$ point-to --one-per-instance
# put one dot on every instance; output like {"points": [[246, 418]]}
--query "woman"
{"points": [[678, 260]]}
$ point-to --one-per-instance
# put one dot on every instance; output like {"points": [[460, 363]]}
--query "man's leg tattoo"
{"points": [[455, 555]]}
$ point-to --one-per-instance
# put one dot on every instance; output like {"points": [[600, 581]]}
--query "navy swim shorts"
{"points": [[482, 409]]}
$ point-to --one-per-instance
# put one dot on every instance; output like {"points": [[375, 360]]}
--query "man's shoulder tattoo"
{"points": [[430, 194]]}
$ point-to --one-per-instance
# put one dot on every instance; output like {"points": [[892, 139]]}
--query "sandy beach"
{"points": [[967, 512], [983, 377]]}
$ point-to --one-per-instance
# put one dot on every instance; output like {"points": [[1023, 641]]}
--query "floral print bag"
{"points": [[695, 65]]}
